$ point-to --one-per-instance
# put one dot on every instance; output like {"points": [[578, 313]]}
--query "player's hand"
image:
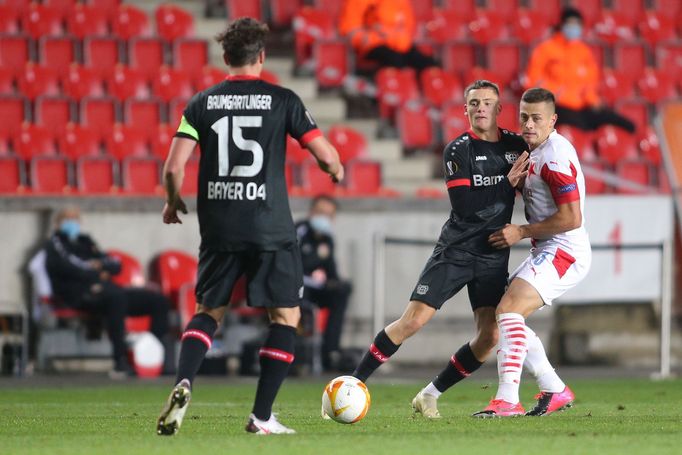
{"points": [[506, 237], [519, 170], [338, 177], [171, 209]]}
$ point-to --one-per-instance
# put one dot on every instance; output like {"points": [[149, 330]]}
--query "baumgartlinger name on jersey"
{"points": [[479, 180], [236, 191], [239, 102]]}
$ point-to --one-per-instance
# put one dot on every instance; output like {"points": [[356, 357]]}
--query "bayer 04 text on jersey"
{"points": [[236, 191]]}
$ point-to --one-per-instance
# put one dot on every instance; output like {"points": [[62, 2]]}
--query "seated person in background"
{"points": [[565, 65], [382, 31], [80, 275], [322, 285]]}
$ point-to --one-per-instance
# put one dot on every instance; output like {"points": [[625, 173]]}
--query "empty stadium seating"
{"points": [[97, 175], [172, 270]]}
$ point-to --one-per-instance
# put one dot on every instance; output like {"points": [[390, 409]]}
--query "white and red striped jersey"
{"points": [[554, 178]]}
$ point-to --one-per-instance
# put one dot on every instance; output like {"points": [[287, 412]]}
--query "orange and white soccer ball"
{"points": [[346, 399]]}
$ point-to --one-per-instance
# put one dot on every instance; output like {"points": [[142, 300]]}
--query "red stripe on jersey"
{"points": [[242, 77], [564, 188], [458, 182], [562, 261], [276, 354], [199, 335], [309, 136]]}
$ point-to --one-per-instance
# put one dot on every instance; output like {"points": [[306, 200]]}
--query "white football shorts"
{"points": [[553, 269]]}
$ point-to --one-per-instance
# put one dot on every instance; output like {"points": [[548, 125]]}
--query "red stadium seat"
{"points": [[636, 111], [395, 88], [209, 76], [649, 146], [630, 11], [144, 113], [161, 139], [616, 86], [504, 60], [614, 26], [190, 183], [331, 63], [108, 7], [131, 275], [141, 176], [657, 27], [146, 55], [663, 180], [127, 140], [54, 113], [615, 144], [629, 58], [85, 21], [171, 270], [171, 83], [458, 58], [582, 141], [130, 22], [488, 26], [315, 182], [364, 178], [295, 153], [50, 175], [41, 20], [81, 82], [99, 114], [505, 7], [447, 25], [13, 175], [548, 10], [598, 51], [590, 9], [125, 83], [176, 108], [101, 54], [34, 140], [240, 8], [467, 8], [593, 184], [13, 110], [453, 121], [669, 57], [310, 26], [475, 73], [37, 80], [415, 126], [440, 87], [333, 7], [96, 175], [63, 7], [283, 11], [508, 118], [350, 143], [14, 53], [531, 27], [6, 82], [17, 6], [9, 20], [173, 22], [656, 85], [79, 141], [190, 55], [635, 171]]}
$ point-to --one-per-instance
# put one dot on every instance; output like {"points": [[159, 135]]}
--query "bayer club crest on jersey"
{"points": [[511, 157]]}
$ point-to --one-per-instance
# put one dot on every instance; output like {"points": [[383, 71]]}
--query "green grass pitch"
{"points": [[610, 417]]}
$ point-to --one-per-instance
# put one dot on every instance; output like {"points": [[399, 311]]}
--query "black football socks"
{"points": [[379, 352], [196, 341], [461, 365]]}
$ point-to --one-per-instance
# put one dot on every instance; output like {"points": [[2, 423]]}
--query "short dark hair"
{"points": [[325, 198], [481, 83], [243, 41], [538, 95], [570, 13]]}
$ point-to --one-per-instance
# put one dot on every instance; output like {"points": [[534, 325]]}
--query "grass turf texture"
{"points": [[610, 417]]}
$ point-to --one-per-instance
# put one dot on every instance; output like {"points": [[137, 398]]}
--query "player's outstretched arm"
{"points": [[327, 157], [173, 173], [567, 217]]}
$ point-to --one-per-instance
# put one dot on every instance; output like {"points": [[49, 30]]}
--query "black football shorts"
{"points": [[274, 278], [447, 272]]}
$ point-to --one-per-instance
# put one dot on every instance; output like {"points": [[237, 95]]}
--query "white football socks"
{"points": [[432, 390], [538, 365], [511, 354]]}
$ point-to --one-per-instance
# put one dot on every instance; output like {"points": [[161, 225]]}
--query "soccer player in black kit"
{"points": [[482, 169], [244, 217]]}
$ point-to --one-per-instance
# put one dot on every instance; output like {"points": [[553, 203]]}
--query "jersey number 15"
{"points": [[222, 128]]}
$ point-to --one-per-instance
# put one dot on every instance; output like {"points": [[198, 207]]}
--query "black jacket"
{"points": [[69, 266], [317, 252]]}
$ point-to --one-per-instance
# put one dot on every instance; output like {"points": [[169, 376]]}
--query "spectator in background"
{"points": [[383, 31], [80, 276], [565, 65], [322, 284]]}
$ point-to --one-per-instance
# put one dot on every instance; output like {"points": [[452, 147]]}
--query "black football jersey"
{"points": [[241, 125], [482, 197]]}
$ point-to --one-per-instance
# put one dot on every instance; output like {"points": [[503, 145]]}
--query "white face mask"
{"points": [[572, 31], [321, 224]]}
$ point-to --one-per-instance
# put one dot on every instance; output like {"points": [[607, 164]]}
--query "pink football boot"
{"points": [[500, 408], [549, 402]]}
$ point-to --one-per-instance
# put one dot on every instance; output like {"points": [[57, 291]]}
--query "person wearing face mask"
{"points": [[80, 277], [565, 65], [322, 285]]}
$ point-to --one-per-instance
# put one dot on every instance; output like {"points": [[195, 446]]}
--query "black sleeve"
{"points": [[189, 124], [109, 264], [466, 201], [63, 264], [330, 263], [300, 124]]}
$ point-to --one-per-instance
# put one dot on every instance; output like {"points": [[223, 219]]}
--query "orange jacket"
{"points": [[372, 23], [568, 69]]}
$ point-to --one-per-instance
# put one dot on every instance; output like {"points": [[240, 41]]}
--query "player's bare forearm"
{"points": [[173, 174], [327, 157]]}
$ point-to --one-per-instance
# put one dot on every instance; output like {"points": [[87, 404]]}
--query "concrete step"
{"points": [[385, 150], [303, 87], [408, 169], [409, 187], [326, 110]]}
